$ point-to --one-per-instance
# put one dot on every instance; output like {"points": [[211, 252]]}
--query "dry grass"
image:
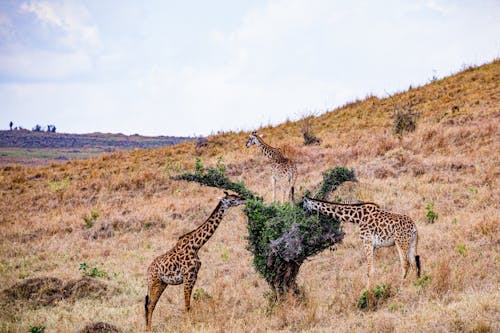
{"points": [[451, 159]]}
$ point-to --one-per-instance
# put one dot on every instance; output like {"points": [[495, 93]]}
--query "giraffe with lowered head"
{"points": [[284, 169], [378, 228], [181, 264]]}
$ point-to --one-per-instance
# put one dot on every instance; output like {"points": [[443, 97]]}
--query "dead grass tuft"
{"points": [[42, 291], [47, 291], [440, 278], [100, 327]]}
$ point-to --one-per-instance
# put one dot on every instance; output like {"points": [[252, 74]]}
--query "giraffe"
{"points": [[181, 264], [284, 169], [378, 228]]}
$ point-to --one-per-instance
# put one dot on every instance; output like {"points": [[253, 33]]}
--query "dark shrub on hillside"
{"points": [[307, 132], [405, 120]]}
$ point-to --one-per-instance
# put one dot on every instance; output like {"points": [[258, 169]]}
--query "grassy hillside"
{"points": [[37, 148], [116, 212]]}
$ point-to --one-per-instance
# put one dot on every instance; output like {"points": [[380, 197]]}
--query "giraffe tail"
{"points": [[417, 259], [413, 257], [146, 303], [292, 193]]}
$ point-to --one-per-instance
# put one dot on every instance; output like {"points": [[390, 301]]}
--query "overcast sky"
{"points": [[196, 67]]}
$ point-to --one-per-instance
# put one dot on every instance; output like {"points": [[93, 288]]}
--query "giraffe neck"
{"points": [[353, 213], [270, 152], [199, 236]]}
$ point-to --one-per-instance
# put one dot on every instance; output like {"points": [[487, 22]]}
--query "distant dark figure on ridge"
{"points": [[11, 124]]}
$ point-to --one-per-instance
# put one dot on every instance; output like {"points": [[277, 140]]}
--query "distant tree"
{"points": [[37, 128], [11, 124], [51, 128]]}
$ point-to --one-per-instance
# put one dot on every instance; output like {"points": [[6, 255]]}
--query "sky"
{"points": [[189, 68]]}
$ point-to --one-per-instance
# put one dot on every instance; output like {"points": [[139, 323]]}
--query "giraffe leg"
{"points": [[273, 184], [403, 249], [155, 289], [189, 281], [370, 253]]}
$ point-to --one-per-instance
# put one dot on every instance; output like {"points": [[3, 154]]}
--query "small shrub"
{"points": [[307, 132], [370, 299], [37, 329], [405, 120], [59, 186], [37, 128], [91, 218], [201, 294], [430, 213], [92, 271], [198, 166]]}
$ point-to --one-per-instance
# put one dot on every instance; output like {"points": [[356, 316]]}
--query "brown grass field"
{"points": [[451, 161]]}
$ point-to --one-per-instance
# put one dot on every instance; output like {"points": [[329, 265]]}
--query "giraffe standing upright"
{"points": [[181, 264], [378, 228], [284, 169]]}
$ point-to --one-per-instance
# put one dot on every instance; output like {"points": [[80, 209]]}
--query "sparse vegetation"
{"points": [[422, 282], [92, 271], [37, 329], [90, 218], [431, 215], [371, 299], [201, 295]]}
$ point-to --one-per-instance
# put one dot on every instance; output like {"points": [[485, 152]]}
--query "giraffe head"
{"points": [[309, 204], [232, 200], [253, 139]]}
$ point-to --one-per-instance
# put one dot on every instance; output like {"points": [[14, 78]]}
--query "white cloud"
{"points": [[44, 65], [69, 17], [44, 12]]}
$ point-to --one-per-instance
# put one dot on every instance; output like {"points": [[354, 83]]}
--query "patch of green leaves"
{"points": [[332, 178], [201, 294], [431, 215], [422, 282], [371, 298], [462, 249], [36, 329], [92, 271], [215, 177]]}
